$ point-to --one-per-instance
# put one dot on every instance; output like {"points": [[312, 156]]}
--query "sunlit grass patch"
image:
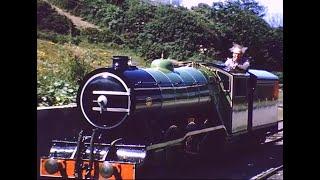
{"points": [[60, 64]]}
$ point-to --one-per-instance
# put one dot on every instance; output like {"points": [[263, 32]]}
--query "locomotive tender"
{"points": [[138, 113]]}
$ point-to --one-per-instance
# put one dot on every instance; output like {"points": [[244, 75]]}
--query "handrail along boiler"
{"points": [[136, 113]]}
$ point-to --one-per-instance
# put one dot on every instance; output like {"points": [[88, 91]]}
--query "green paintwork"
{"points": [[163, 65], [206, 72]]}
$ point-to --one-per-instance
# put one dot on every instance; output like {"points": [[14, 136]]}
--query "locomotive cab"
{"points": [[248, 101]]}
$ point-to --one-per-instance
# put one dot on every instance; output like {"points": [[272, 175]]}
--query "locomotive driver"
{"points": [[237, 62]]}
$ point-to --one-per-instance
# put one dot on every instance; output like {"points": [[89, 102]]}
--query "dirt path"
{"points": [[77, 21]]}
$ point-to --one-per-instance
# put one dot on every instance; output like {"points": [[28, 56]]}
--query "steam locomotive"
{"points": [[138, 113]]}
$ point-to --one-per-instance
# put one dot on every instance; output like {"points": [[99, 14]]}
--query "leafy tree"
{"points": [[241, 21], [203, 9], [136, 16], [100, 12], [177, 32], [206, 32]]}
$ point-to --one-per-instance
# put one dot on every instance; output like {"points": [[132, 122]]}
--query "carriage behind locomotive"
{"points": [[137, 113]]}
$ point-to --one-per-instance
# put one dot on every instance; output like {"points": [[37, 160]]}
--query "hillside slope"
{"points": [[77, 21], [61, 66]]}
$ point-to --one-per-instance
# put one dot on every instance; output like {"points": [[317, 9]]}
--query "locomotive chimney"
{"points": [[120, 62]]}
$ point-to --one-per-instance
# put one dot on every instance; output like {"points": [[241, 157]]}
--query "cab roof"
{"points": [[262, 74]]}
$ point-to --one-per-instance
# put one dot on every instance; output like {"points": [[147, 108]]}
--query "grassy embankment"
{"points": [[61, 66]]}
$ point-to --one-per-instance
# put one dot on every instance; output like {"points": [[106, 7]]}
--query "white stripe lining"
{"points": [[111, 93], [111, 109]]}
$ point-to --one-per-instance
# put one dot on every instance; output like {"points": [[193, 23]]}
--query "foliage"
{"points": [[136, 15], [51, 91], [59, 69], [99, 12], [103, 14], [77, 68], [58, 38], [48, 19], [68, 63], [280, 76], [205, 32], [241, 21], [145, 31], [104, 36], [177, 33]]}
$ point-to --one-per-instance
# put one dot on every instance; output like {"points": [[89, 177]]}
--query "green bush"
{"points": [[76, 40], [176, 31], [52, 36], [97, 36], [58, 38], [76, 69], [99, 12], [53, 92], [49, 19]]}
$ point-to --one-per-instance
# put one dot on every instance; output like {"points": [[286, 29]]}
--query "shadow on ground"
{"points": [[238, 163]]}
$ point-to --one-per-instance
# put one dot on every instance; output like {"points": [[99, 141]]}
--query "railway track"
{"points": [[267, 174], [276, 137], [272, 139]]}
